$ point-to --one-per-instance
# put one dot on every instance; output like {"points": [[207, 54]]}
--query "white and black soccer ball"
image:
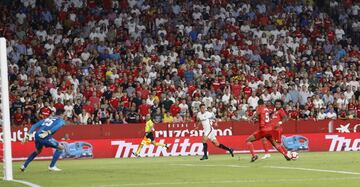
{"points": [[294, 155]]}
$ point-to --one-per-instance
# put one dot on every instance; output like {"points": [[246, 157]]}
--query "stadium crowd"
{"points": [[114, 61]]}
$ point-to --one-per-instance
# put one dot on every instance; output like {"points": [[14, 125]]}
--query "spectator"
{"points": [[133, 116], [168, 118], [331, 114], [253, 100]]}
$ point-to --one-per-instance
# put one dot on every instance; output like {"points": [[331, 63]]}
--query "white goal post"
{"points": [[5, 110]]}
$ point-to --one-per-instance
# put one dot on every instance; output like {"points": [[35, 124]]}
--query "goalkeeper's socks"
{"points": [[30, 158], [205, 147], [55, 157], [222, 146], [251, 148]]}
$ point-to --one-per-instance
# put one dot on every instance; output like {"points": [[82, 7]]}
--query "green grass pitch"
{"points": [[312, 169]]}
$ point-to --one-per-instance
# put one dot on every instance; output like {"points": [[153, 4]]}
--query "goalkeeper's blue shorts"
{"points": [[47, 142]]}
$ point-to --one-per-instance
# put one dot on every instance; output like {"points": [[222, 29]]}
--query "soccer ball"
{"points": [[294, 155]]}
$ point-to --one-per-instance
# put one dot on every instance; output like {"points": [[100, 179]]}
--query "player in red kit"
{"points": [[278, 117], [265, 131]]}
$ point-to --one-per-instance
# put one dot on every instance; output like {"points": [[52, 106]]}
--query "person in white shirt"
{"points": [[321, 115], [226, 97], [331, 114], [253, 100], [184, 108], [208, 120], [208, 100]]}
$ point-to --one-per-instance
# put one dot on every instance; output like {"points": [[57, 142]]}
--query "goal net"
{"points": [[5, 143]]}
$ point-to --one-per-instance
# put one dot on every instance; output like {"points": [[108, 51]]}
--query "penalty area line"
{"points": [[311, 169]]}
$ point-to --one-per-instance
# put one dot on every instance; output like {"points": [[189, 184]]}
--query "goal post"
{"points": [[5, 112]]}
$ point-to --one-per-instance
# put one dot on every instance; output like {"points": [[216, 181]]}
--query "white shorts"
{"points": [[210, 133]]}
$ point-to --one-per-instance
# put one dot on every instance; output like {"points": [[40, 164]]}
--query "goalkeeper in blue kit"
{"points": [[43, 137]]}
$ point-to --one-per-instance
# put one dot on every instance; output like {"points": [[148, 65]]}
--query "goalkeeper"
{"points": [[43, 137], [149, 136]]}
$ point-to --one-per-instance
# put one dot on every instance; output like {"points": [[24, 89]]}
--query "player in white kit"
{"points": [[208, 120]]}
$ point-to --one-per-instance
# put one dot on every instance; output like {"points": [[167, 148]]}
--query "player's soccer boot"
{"points": [[136, 155], [266, 156], [167, 146], [54, 169], [204, 157], [231, 151], [288, 156], [22, 168], [254, 158]]}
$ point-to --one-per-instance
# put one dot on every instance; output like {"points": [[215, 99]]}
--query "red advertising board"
{"points": [[236, 128], [185, 146]]}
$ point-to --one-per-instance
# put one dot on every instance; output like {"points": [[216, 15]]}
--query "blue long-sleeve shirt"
{"points": [[51, 124]]}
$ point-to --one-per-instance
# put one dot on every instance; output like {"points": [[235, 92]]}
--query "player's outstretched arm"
{"points": [[32, 129]]}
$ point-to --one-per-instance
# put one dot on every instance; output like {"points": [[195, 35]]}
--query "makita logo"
{"points": [[339, 143], [178, 148], [18, 136], [187, 133]]}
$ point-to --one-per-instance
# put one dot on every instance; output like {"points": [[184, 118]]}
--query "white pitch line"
{"points": [[209, 165], [26, 183], [267, 181], [310, 169]]}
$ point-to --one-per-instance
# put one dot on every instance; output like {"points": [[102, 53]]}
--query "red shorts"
{"points": [[268, 134], [277, 133]]}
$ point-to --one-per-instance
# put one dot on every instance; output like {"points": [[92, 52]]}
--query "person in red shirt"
{"points": [[235, 88], [94, 99], [265, 131], [88, 107], [247, 90], [278, 117], [59, 105], [144, 109], [45, 111], [114, 102], [174, 108], [18, 117], [358, 110], [294, 114]]}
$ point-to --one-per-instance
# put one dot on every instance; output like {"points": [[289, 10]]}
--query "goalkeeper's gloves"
{"points": [[44, 134], [26, 138]]}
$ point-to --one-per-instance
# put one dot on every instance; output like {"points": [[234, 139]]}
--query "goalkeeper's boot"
{"points": [[254, 158], [54, 168], [231, 151], [22, 168], [205, 157]]}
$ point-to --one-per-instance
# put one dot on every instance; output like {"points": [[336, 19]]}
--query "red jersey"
{"points": [[277, 116], [264, 117], [45, 112]]}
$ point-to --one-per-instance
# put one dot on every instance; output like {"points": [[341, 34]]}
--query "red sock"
{"points": [[281, 149], [251, 148], [265, 145]]}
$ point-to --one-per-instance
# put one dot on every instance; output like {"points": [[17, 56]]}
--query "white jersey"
{"points": [[206, 118]]}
